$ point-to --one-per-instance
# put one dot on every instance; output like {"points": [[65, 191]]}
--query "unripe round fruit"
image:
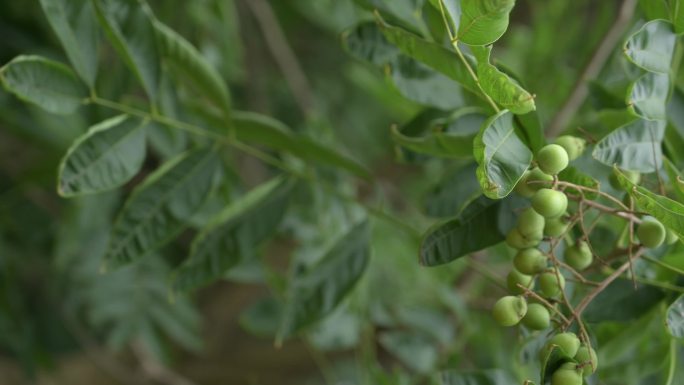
{"points": [[579, 255], [587, 357], [530, 261], [555, 227], [552, 159], [535, 175], [548, 283], [573, 145], [517, 241], [671, 237], [514, 278], [567, 342], [530, 224], [537, 317], [549, 203], [651, 232], [567, 374], [509, 310], [633, 176]]}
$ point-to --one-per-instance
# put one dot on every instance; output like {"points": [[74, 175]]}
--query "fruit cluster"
{"points": [[538, 277]]}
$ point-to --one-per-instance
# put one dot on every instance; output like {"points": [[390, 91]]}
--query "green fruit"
{"points": [[530, 224], [585, 357], [517, 241], [579, 256], [548, 284], [633, 177], [530, 261], [555, 227], [552, 159], [567, 374], [537, 317], [514, 278], [671, 237], [567, 342], [549, 203], [651, 232], [509, 310], [573, 145], [529, 183]]}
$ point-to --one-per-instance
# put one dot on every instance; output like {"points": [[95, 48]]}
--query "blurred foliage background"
{"points": [[63, 322]]}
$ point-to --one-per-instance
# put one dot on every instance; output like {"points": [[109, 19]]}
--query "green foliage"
{"points": [[160, 207], [501, 156], [234, 234], [106, 157], [215, 141], [636, 146], [27, 77]]}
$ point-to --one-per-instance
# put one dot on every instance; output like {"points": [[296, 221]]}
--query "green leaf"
{"points": [[423, 85], [664, 209], [651, 47], [636, 146], [677, 15], [483, 21], [195, 69], [74, 23], [501, 156], [416, 350], [366, 42], [412, 79], [452, 194], [433, 55], [450, 137], [573, 175], [48, 84], [483, 377], [531, 129], [675, 179], [262, 317], [316, 292], [106, 157], [647, 96], [674, 318], [159, 208], [621, 302], [453, 13], [255, 128], [130, 31], [504, 91], [233, 236], [462, 235]]}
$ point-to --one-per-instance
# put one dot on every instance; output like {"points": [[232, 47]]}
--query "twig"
{"points": [[603, 51], [585, 302], [283, 54], [544, 302]]}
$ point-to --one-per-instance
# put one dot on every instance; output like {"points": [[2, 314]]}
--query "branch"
{"points": [[580, 91], [283, 54], [585, 302]]}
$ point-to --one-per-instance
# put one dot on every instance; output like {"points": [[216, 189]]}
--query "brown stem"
{"points": [[546, 303], [603, 51], [607, 281], [283, 54]]}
